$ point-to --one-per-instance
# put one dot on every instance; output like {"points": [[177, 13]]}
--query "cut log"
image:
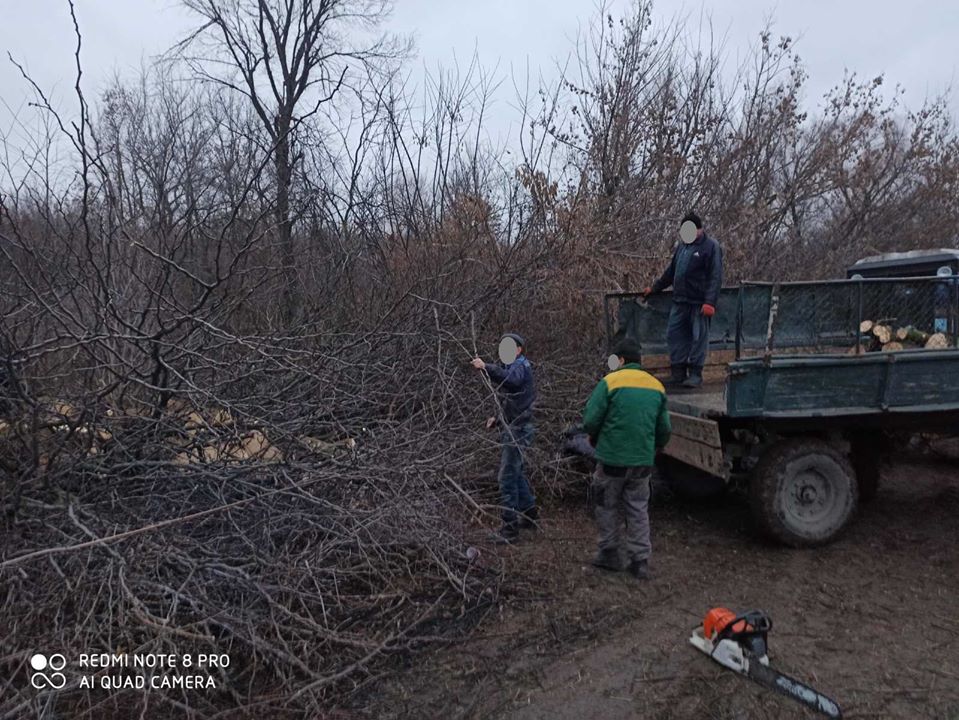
{"points": [[865, 326], [194, 422], [910, 334], [66, 410], [883, 333], [255, 445], [937, 341], [183, 459], [892, 346], [221, 418]]}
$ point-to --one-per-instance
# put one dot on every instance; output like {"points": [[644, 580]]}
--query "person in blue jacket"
{"points": [[513, 381], [696, 276]]}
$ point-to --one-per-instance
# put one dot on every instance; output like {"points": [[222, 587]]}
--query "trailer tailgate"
{"points": [[696, 441]]}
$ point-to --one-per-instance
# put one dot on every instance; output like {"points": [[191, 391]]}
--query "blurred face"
{"points": [[688, 232], [508, 350]]}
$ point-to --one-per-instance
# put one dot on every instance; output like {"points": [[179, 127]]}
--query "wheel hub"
{"points": [[810, 495]]}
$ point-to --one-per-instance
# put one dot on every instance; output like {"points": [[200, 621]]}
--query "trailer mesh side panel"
{"points": [[833, 317]]}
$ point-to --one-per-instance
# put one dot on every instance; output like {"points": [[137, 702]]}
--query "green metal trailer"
{"points": [[808, 407]]}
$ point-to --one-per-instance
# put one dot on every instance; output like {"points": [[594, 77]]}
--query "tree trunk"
{"points": [[284, 222]]}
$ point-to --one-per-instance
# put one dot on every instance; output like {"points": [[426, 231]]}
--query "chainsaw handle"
{"points": [[755, 623]]}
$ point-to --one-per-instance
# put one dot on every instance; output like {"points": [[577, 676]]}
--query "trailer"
{"points": [[806, 404]]}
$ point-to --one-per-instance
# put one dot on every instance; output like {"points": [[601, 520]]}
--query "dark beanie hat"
{"points": [[629, 350], [517, 337], [694, 218]]}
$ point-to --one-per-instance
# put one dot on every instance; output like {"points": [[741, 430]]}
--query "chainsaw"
{"points": [[739, 642]]}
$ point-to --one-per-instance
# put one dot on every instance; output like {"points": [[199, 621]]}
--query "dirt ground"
{"points": [[871, 620]]}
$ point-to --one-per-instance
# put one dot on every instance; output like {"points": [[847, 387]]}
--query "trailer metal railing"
{"points": [[807, 317]]}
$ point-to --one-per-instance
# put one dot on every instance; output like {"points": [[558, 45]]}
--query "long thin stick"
{"points": [[489, 385]]}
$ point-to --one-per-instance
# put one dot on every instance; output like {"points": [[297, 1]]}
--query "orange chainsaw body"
{"points": [[718, 619]]}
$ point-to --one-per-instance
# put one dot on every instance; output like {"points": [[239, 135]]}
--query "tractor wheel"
{"points": [[803, 492], [688, 482]]}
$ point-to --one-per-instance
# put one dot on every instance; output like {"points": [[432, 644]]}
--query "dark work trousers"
{"points": [[688, 337], [516, 494], [618, 497]]}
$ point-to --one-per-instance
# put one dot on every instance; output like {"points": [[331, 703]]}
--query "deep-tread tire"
{"points": [[688, 482], [788, 482]]}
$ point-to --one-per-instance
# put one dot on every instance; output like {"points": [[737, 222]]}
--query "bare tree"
{"points": [[288, 58]]}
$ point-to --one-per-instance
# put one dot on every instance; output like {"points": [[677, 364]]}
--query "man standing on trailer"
{"points": [[696, 276], [627, 422]]}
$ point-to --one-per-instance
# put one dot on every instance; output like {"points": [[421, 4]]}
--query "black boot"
{"points": [[695, 378], [677, 376], [639, 569], [506, 535], [529, 519], [607, 560]]}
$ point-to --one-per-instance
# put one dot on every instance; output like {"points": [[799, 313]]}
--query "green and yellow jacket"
{"points": [[627, 418]]}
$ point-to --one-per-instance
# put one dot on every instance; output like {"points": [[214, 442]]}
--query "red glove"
{"points": [[647, 292], [708, 310]]}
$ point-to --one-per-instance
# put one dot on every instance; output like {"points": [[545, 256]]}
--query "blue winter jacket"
{"points": [[516, 389], [696, 272]]}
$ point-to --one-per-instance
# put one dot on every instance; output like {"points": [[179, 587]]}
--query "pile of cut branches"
{"points": [[314, 527]]}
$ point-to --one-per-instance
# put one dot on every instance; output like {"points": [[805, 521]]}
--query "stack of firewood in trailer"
{"points": [[886, 336]]}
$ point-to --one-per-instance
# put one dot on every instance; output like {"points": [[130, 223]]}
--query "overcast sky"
{"points": [[914, 43]]}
